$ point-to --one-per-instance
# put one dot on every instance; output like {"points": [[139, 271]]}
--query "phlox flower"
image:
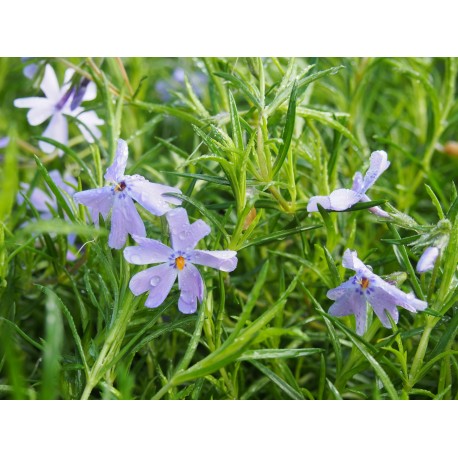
{"points": [[177, 261], [342, 199], [428, 259], [118, 198], [43, 202], [351, 296], [4, 142], [57, 104]]}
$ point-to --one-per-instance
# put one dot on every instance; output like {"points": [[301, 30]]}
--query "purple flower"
{"points": [[29, 70], [342, 199], [177, 261], [44, 202], [427, 259], [4, 142], [56, 105], [351, 296], [125, 218]]}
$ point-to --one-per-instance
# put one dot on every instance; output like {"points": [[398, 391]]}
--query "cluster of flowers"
{"points": [[118, 199], [177, 261], [365, 287]]}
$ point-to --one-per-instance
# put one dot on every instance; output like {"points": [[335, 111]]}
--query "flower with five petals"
{"points": [[342, 199], [119, 197], [177, 261], [351, 296]]}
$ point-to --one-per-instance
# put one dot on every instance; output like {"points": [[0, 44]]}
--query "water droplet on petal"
{"points": [[182, 235], [155, 281]]}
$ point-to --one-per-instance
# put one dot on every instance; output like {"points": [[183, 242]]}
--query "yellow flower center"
{"points": [[180, 262], [364, 282]]}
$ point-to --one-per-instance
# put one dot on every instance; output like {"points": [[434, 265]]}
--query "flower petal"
{"points": [[89, 130], [97, 200], [427, 259], [192, 288], [357, 182], [382, 304], [351, 304], [39, 199], [49, 85], [158, 280], [91, 92], [150, 195], [4, 141], [225, 260], [148, 251], [116, 170], [342, 289], [341, 199], [351, 261], [57, 130], [62, 183], [40, 109], [378, 164], [124, 220], [184, 235], [375, 210], [324, 201], [395, 296]]}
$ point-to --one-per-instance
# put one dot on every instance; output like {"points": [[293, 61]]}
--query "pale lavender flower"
{"points": [[342, 199], [428, 259], [351, 296], [118, 198], [44, 202], [4, 142], [177, 261], [29, 70], [56, 105]]}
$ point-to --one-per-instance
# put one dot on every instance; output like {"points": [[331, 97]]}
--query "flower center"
{"points": [[180, 262], [364, 283], [120, 187]]}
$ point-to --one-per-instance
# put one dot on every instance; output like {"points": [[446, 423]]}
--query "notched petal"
{"points": [[116, 170]]}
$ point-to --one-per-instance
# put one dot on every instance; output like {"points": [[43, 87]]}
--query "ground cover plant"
{"points": [[222, 228]]}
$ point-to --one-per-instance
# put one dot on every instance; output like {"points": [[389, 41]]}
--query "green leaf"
{"points": [[242, 86], [8, 180], [435, 201], [52, 348], [55, 190], [278, 236], [284, 386], [279, 353], [328, 119], [365, 350], [235, 122], [288, 131]]}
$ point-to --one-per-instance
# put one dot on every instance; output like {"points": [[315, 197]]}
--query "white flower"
{"points": [[56, 105]]}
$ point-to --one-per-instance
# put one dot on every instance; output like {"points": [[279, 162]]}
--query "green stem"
{"points": [[114, 338]]}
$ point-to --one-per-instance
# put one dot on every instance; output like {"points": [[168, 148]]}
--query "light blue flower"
{"points": [[428, 259], [351, 296], [118, 198], [342, 199], [4, 141], [177, 261]]}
